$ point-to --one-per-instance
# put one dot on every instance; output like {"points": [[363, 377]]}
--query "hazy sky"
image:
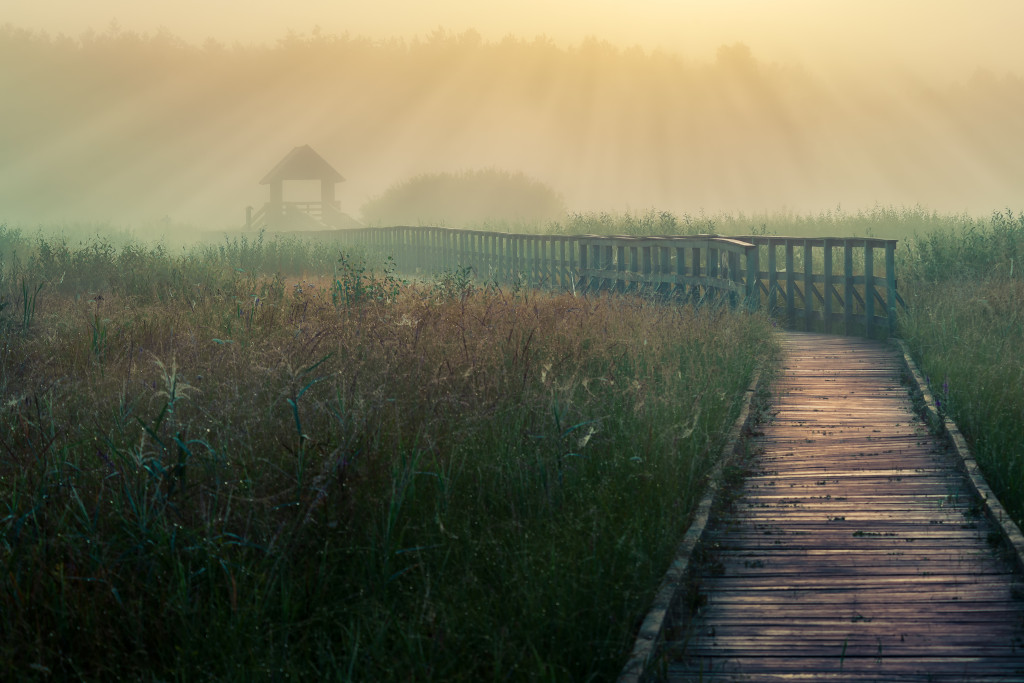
{"points": [[956, 36], [851, 102]]}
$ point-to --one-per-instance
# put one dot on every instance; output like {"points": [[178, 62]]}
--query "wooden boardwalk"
{"points": [[855, 551]]}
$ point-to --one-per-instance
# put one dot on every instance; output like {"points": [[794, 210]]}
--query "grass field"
{"points": [[965, 327], [260, 458], [215, 465]]}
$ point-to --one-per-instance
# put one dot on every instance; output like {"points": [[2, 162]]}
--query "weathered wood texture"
{"points": [[855, 550]]}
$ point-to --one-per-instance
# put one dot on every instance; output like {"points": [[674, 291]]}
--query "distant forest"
{"points": [[120, 126]]}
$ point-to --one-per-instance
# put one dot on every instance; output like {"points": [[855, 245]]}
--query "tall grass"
{"points": [[965, 326], [118, 263], [238, 476], [888, 222]]}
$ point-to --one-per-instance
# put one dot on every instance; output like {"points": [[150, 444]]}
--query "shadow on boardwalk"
{"points": [[855, 549]]}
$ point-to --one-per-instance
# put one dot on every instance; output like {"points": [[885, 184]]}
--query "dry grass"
{"points": [[272, 480]]}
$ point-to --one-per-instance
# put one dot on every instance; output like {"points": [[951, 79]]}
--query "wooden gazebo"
{"points": [[302, 163]]}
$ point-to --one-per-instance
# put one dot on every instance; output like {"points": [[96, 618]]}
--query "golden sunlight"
{"points": [[727, 105]]}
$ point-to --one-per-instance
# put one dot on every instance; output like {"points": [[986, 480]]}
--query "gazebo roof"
{"points": [[302, 163]]}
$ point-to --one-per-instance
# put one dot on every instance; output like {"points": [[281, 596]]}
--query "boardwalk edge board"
{"points": [[994, 510], [652, 630]]}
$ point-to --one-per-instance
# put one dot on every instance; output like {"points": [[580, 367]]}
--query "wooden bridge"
{"points": [[857, 549], [843, 286]]}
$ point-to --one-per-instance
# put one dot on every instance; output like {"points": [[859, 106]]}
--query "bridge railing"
{"points": [[828, 283], [696, 267], [837, 285]]}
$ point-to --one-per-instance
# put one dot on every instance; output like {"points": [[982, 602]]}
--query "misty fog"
{"points": [[123, 127]]}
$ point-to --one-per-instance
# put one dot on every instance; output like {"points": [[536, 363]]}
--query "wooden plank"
{"points": [[854, 550]]}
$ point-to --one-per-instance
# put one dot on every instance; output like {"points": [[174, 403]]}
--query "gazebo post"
{"points": [[327, 192], [275, 209]]}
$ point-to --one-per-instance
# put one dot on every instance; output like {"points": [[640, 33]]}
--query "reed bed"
{"points": [[965, 326], [207, 473], [888, 222]]}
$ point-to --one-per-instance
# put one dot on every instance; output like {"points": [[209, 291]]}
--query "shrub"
{"points": [[459, 200]]}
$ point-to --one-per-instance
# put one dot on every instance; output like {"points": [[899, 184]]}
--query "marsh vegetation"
{"points": [[229, 464], [263, 457]]}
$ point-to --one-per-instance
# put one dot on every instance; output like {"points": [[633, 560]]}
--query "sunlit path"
{"points": [[855, 550]]}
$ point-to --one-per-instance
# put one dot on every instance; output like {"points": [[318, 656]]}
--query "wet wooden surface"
{"points": [[855, 550]]}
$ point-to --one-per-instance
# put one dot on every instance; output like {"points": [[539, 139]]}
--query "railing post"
{"points": [[523, 250], [525, 263], [412, 254], [547, 250], [507, 255], [664, 269], [479, 255], [890, 284], [428, 257], [828, 286], [680, 284], [620, 284], [790, 285], [538, 260], [586, 266], [499, 254], [441, 260], [695, 254], [446, 249], [734, 275], [634, 284], [483, 241], [808, 284], [869, 289], [523, 259], [646, 264], [714, 266], [510, 258], [421, 242], [453, 250], [474, 253], [848, 286], [594, 256], [572, 246], [439, 237], [530, 260], [564, 272], [753, 277], [492, 256]]}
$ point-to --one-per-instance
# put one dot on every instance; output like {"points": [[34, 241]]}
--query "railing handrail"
{"points": [[760, 240]]}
